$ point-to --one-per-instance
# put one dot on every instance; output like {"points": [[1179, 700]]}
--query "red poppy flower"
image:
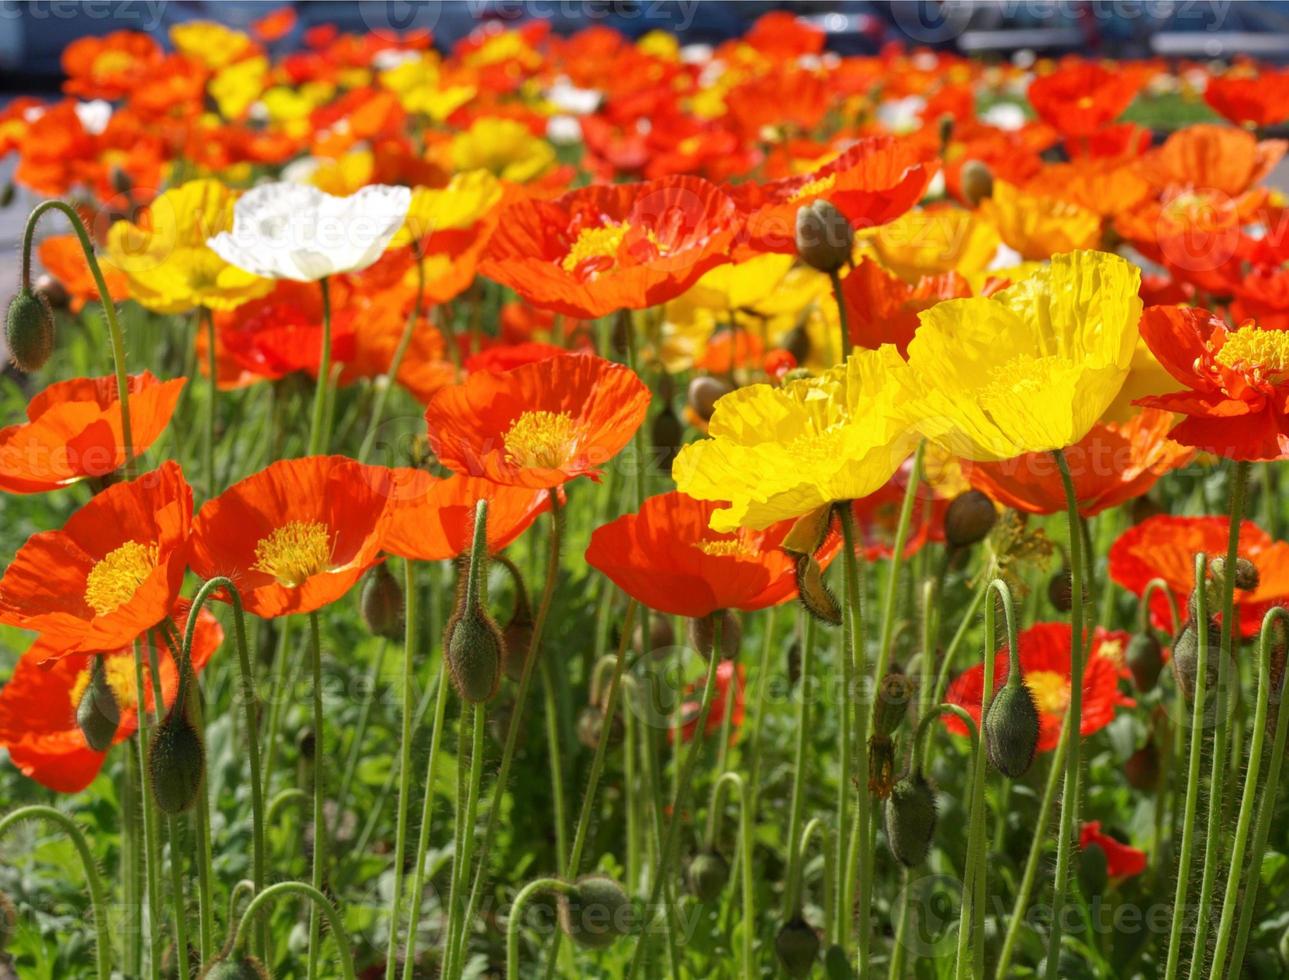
{"points": [[1080, 97], [731, 679], [73, 431], [62, 257], [1122, 860], [882, 308], [874, 181], [667, 557], [296, 535], [109, 67], [1112, 464], [274, 25], [540, 424], [1236, 382], [1165, 547], [112, 571], [38, 704], [877, 518], [1214, 158], [1258, 100], [605, 248], [432, 519], [499, 358], [1045, 664]]}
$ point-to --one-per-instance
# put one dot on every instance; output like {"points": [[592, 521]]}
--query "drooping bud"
{"points": [[381, 603], [808, 532], [235, 968], [667, 436], [1011, 728], [1060, 590], [881, 766], [29, 331], [596, 912], [894, 692], [54, 292], [977, 182], [1145, 658], [707, 874], [1094, 872], [176, 761], [702, 634], [969, 518], [590, 727], [1246, 573], [825, 238], [797, 947], [97, 713], [814, 593], [910, 819], [472, 640], [1142, 768], [1185, 659], [704, 392]]}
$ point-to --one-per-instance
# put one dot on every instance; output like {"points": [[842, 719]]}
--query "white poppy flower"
{"points": [[294, 231]]}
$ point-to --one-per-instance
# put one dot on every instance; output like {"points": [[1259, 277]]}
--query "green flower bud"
{"points": [[1185, 659], [1246, 573], [29, 331], [1011, 729], [797, 947], [837, 964], [177, 762], [702, 634], [910, 819], [97, 714], [825, 238], [381, 603], [707, 875], [473, 643], [814, 593], [596, 912], [1145, 658], [894, 693], [969, 518]]}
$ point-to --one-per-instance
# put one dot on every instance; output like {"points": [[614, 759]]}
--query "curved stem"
{"points": [[319, 790], [98, 897], [1143, 605], [396, 362], [959, 637], [291, 796], [516, 916], [410, 631], [320, 423], [747, 887], [319, 904]]}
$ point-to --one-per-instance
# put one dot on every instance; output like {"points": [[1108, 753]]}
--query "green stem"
{"points": [[747, 886], [410, 627], [320, 423], [319, 790], [846, 345], [462, 942], [281, 666], [212, 388], [177, 899], [319, 904], [516, 917], [131, 865], [1143, 605], [959, 637], [799, 772], [556, 766], [98, 897], [151, 858]]}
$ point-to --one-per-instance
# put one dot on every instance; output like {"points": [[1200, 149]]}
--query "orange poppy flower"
{"points": [[73, 431], [1247, 99], [1104, 186], [109, 67], [62, 257], [1165, 547], [606, 248], [1236, 382], [112, 571], [1122, 860], [666, 556], [1080, 97], [539, 425], [1262, 294], [883, 309], [1045, 665], [502, 357], [38, 704], [432, 519], [1214, 158], [1196, 234], [1037, 226], [296, 535], [1111, 465], [274, 25], [874, 181]]}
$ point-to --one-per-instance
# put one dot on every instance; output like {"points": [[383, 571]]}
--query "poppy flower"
{"points": [[877, 518], [1080, 97], [1045, 665], [432, 519], [883, 309], [112, 571], [539, 425], [1165, 547], [606, 248], [1122, 860], [38, 704], [62, 257], [500, 358], [1236, 382], [296, 535], [731, 679], [1031, 368], [777, 453], [929, 242], [1112, 464], [274, 25], [1038, 226], [504, 148], [294, 231], [1214, 158], [1258, 99], [108, 67], [667, 556], [73, 431]]}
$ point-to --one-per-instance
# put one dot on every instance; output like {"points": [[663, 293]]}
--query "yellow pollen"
{"points": [[294, 552], [815, 187], [120, 678], [594, 243], [1112, 650], [1051, 691], [113, 581], [1249, 348], [541, 439], [723, 548]]}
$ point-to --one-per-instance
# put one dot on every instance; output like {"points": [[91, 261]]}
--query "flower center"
{"points": [[723, 548], [1252, 349], [814, 187], [113, 581], [1051, 691], [541, 439], [595, 249], [120, 678], [294, 552]]}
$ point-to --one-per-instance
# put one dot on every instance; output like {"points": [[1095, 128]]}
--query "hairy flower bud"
{"points": [[814, 593], [797, 947], [590, 727], [894, 692], [977, 182], [881, 766], [1145, 659], [29, 331], [381, 603], [707, 875], [702, 634], [1185, 658], [176, 761], [1060, 590], [910, 819], [1011, 729], [704, 392], [662, 635], [596, 912], [53, 291], [825, 238], [1246, 573], [97, 713], [969, 518], [473, 643]]}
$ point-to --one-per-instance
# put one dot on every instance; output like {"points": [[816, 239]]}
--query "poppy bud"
{"points": [[666, 435], [97, 714], [969, 517], [797, 947], [590, 727], [662, 635], [7, 193], [1093, 871], [837, 964], [808, 532], [894, 692], [596, 912], [704, 392], [945, 125], [517, 640], [1212, 601], [977, 182], [825, 238], [1185, 658], [702, 634], [910, 819], [381, 603], [176, 761], [473, 642], [707, 874], [881, 766], [1142, 768], [54, 292], [1145, 659], [239, 968], [29, 331], [815, 595], [121, 182], [1011, 729], [1060, 591], [8, 919], [1246, 573]]}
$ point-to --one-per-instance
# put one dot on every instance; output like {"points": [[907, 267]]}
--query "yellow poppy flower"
{"points": [[237, 87], [1146, 376], [1031, 368], [465, 201], [418, 83], [503, 147], [214, 45], [778, 453], [165, 258], [1036, 226], [932, 241], [345, 174]]}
